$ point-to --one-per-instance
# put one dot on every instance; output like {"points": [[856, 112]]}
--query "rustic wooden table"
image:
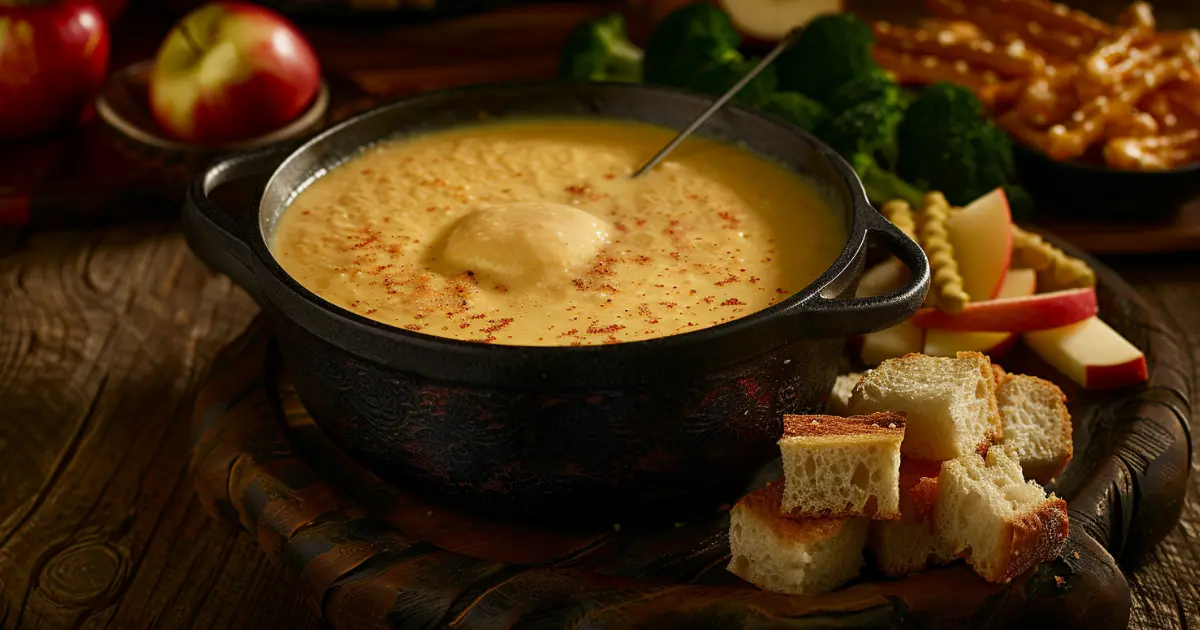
{"points": [[105, 334]]}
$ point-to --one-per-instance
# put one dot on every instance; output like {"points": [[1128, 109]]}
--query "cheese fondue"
{"points": [[532, 233]]}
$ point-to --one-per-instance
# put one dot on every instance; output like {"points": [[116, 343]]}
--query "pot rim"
{"points": [[860, 225]]}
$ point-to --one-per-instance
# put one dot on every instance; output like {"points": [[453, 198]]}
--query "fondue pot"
{"points": [[646, 429]]}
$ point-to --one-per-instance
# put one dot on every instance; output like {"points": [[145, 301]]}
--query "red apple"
{"points": [[53, 58], [1090, 353], [230, 71], [981, 235], [948, 343], [1036, 312], [770, 20], [885, 277]]}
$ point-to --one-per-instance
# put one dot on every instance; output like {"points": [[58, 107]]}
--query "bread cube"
{"points": [[793, 556], [949, 403], [1037, 425], [1004, 524], [835, 466]]}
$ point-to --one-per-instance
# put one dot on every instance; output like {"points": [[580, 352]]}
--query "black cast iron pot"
{"points": [[652, 428]]}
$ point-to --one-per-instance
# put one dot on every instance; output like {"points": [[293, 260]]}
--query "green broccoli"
{"points": [[946, 143], [695, 36], [717, 77], [873, 86], [797, 109], [833, 50], [865, 134], [1020, 202], [883, 185], [600, 50]]}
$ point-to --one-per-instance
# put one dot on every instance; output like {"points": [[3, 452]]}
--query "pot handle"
{"points": [[221, 238], [831, 317]]}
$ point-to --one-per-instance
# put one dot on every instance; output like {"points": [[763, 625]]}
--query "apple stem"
{"points": [[191, 41]]}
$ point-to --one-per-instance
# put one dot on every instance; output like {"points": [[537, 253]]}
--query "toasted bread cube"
{"points": [[835, 466], [949, 404], [794, 556], [911, 544], [1004, 524], [839, 396], [1037, 425]]}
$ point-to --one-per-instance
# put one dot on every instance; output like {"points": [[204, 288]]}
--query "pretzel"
{"points": [[1004, 27], [1053, 16], [947, 292], [1048, 97], [1156, 153], [1012, 61], [1116, 57], [912, 69], [1138, 124], [962, 30], [1087, 125]]}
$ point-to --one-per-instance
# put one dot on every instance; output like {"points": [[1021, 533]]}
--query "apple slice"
{"points": [[889, 343], [1035, 312], [1090, 353], [770, 20], [981, 234], [885, 277], [948, 343]]}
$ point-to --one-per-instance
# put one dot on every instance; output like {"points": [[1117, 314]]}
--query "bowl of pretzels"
{"points": [[1105, 116]]}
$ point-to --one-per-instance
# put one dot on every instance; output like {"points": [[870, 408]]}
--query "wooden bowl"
{"points": [[123, 105]]}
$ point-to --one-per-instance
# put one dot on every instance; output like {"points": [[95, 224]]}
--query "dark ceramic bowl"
{"points": [[654, 428], [1095, 191]]}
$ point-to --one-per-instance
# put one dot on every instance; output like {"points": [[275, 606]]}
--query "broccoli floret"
{"points": [[690, 38], [874, 86], [833, 50], [882, 185], [717, 77], [868, 127], [600, 50], [946, 143], [797, 109], [865, 134]]}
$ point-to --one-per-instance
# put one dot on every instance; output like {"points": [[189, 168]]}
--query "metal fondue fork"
{"points": [[783, 45]]}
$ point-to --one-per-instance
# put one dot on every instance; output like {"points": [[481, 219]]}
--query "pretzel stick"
{"points": [[910, 69], [1012, 61], [1138, 124], [1053, 16], [1048, 97], [1002, 27], [1087, 125], [1116, 57], [1156, 153]]}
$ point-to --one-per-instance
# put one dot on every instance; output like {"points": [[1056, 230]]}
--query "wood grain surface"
{"points": [[103, 338]]}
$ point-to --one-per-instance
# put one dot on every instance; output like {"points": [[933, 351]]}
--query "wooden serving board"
{"points": [[368, 554]]}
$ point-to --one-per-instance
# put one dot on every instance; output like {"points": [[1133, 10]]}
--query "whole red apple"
{"points": [[53, 58], [230, 71]]}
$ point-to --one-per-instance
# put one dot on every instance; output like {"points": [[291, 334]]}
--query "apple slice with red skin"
{"points": [[770, 20], [1035, 312], [1090, 353], [1018, 283], [981, 234]]}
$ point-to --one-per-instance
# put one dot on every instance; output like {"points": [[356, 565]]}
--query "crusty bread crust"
{"points": [[1036, 536], [1045, 471], [765, 504], [882, 423], [989, 376]]}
